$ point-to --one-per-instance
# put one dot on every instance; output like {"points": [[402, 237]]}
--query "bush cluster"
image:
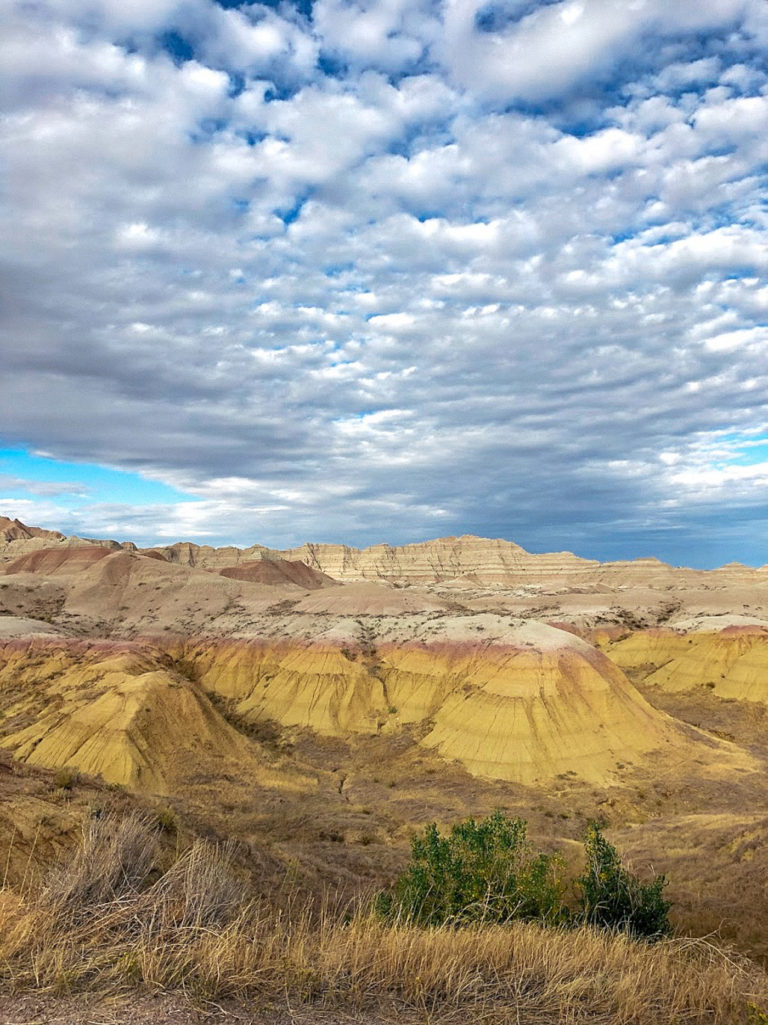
{"points": [[613, 897], [484, 871], [488, 872]]}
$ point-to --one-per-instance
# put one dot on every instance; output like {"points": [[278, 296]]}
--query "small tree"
{"points": [[482, 871], [614, 898]]}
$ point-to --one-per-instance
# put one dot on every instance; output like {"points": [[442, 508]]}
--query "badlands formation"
{"points": [[320, 703]]}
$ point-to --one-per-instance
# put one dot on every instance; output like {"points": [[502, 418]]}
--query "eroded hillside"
{"points": [[321, 703]]}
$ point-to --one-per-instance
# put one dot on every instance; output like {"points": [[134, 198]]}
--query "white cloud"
{"points": [[312, 297], [389, 34], [539, 55], [603, 151]]}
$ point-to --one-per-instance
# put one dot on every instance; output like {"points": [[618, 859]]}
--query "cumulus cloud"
{"points": [[390, 269], [509, 52]]}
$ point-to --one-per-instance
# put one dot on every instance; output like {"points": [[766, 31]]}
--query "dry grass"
{"points": [[191, 929], [114, 859]]}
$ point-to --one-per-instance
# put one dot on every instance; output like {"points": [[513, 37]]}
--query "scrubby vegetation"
{"points": [[125, 912], [66, 778], [613, 897], [481, 872], [488, 871]]}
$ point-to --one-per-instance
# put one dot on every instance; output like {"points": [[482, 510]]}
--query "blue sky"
{"points": [[363, 272]]}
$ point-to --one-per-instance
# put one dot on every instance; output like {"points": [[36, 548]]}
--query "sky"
{"points": [[383, 271]]}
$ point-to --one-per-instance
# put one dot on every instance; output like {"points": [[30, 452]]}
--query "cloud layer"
{"points": [[382, 271]]}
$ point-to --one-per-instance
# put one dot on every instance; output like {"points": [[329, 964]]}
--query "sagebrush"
{"points": [[611, 896]]}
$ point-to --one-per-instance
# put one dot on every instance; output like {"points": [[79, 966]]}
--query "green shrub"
{"points": [[488, 872], [483, 871], [612, 897]]}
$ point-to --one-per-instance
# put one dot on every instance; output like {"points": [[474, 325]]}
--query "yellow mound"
{"points": [[732, 662], [296, 685], [538, 705], [530, 713], [519, 703], [112, 713]]}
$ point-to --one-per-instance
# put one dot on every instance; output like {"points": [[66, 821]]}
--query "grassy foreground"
{"points": [[111, 919]]}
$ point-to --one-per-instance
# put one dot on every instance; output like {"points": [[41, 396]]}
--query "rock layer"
{"points": [[464, 560], [732, 661], [110, 710], [443, 639], [541, 704]]}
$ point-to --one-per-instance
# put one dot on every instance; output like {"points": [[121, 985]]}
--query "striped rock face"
{"points": [[119, 711], [731, 661], [468, 561], [526, 705], [441, 641]]}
